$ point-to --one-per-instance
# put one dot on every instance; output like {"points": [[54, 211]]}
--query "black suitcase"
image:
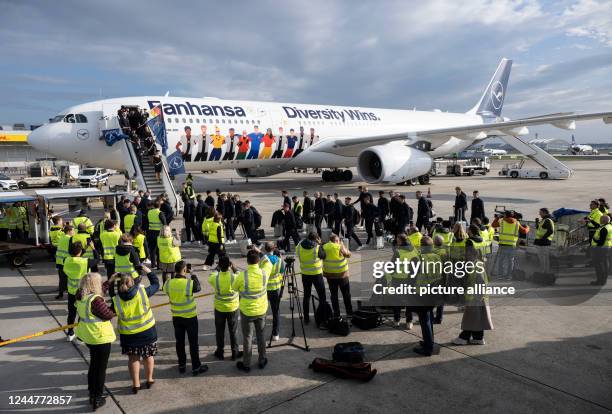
{"points": [[339, 326], [366, 319], [351, 352], [358, 371], [260, 234], [322, 314]]}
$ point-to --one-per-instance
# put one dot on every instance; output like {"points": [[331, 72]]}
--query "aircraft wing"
{"points": [[467, 132]]}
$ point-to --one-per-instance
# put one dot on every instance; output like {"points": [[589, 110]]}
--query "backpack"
{"points": [[338, 325], [322, 314], [256, 218], [356, 217], [366, 319], [349, 352], [361, 372]]}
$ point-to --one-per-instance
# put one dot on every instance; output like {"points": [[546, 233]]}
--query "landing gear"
{"points": [[423, 180], [337, 175]]}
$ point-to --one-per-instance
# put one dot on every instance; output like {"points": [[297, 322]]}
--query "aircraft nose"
{"points": [[39, 139]]}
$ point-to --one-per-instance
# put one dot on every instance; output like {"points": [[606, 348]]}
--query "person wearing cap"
{"points": [[82, 218], [217, 140]]}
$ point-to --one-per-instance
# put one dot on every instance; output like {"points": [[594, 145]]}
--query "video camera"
{"points": [[289, 259]]}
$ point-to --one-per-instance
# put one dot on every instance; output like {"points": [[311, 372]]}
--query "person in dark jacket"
{"points": [[219, 207], [383, 205], [349, 214], [478, 209], [289, 228], [141, 345], [423, 211], [319, 210], [600, 251], [460, 206], [209, 199], [166, 208], [404, 215], [238, 211], [200, 215], [337, 214], [229, 211], [126, 248], [144, 202], [308, 204], [370, 213], [363, 195], [286, 199], [328, 211], [123, 209], [248, 221]]}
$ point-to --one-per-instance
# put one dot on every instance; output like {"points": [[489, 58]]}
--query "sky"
{"points": [[391, 54]]}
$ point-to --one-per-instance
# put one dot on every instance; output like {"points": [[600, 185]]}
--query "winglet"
{"points": [[492, 99]]}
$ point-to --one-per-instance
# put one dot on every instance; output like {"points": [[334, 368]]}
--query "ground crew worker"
{"points": [[430, 274], [457, 246], [55, 232], [130, 219], [139, 241], [109, 239], [155, 219], [476, 313], [96, 331], [600, 246], [336, 271], [593, 219], [310, 255], [210, 217], [24, 220], [603, 205], [180, 289], [509, 229], [226, 307], [126, 257], [415, 236], [63, 244], [82, 218], [135, 323], [490, 234], [216, 240], [545, 231], [442, 229], [169, 252], [4, 225], [271, 263], [14, 222], [251, 285], [84, 237], [439, 248], [75, 267], [403, 250]]}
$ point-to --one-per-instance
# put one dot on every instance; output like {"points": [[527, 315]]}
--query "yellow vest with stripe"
{"points": [[83, 219], [123, 264], [253, 291], [226, 299], [541, 231], [23, 217], [84, 238], [310, 263], [206, 225], [109, 240], [138, 243], [75, 268], [54, 234], [447, 236], [180, 293], [407, 253], [275, 277], [128, 222], [431, 270], [168, 253], [608, 241], [212, 233], [594, 216], [334, 262], [415, 239], [155, 223], [61, 253], [13, 215], [134, 315], [457, 249], [508, 233], [481, 247], [4, 221], [91, 329]]}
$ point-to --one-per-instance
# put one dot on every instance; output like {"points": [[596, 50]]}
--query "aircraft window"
{"points": [[223, 121], [242, 121], [210, 121], [81, 119], [246, 122], [57, 118], [191, 120], [197, 120], [176, 120], [169, 120], [217, 121], [184, 121], [70, 119]]}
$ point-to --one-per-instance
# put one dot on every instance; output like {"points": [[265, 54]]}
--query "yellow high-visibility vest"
{"points": [[75, 268], [180, 293], [508, 233], [155, 223], [109, 240], [310, 263], [252, 289], [91, 329], [334, 261], [134, 315], [226, 298], [212, 233], [168, 253]]}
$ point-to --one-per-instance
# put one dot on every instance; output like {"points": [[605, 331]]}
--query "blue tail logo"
{"points": [[492, 100]]}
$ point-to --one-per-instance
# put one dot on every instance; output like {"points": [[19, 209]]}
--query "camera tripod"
{"points": [[289, 280]]}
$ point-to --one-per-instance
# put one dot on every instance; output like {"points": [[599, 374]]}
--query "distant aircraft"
{"points": [[582, 149], [494, 151], [266, 138]]}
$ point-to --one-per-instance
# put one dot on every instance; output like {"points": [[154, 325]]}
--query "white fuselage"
{"points": [[80, 141]]}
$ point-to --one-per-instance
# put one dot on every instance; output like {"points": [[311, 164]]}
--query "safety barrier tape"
{"points": [[159, 305]]}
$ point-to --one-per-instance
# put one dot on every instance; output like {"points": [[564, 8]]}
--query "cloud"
{"points": [[591, 19]]}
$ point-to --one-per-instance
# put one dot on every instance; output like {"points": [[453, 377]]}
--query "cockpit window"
{"points": [[70, 119], [81, 119], [58, 118]]}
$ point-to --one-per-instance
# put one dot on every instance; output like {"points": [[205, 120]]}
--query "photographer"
{"points": [[311, 255], [272, 264]]}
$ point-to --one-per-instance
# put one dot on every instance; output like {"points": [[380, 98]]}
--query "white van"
{"points": [[92, 177]]}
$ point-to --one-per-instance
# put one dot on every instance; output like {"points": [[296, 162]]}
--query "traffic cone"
{"points": [[428, 192]]}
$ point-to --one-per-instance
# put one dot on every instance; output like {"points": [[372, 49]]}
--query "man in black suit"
{"points": [[338, 209], [348, 214], [478, 210], [383, 205], [209, 200], [319, 209], [286, 199], [289, 228], [404, 215], [370, 213], [423, 211], [460, 204], [308, 209]]}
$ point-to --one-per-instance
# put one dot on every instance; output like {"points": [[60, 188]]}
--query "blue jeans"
{"points": [[215, 154], [426, 322], [505, 261]]}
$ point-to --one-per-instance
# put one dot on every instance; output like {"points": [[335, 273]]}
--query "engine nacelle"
{"points": [[392, 163], [259, 171]]}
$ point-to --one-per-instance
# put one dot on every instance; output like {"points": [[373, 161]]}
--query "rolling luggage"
{"points": [[352, 352]]}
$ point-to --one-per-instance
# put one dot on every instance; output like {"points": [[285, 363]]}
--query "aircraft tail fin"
{"points": [[492, 99]]}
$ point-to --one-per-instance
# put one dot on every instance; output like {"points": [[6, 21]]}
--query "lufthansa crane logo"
{"points": [[497, 94], [176, 163], [82, 134]]}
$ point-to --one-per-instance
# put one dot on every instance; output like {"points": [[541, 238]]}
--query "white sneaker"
{"points": [[477, 342], [275, 338], [205, 267], [460, 341], [146, 262], [358, 248], [70, 338], [409, 325]]}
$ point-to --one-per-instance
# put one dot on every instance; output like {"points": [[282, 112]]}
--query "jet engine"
{"points": [[392, 163]]}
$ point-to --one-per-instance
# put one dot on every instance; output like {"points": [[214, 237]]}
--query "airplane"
{"points": [[386, 145], [582, 149], [494, 151]]}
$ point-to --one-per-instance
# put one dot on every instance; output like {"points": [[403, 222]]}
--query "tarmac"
{"points": [[541, 357]]}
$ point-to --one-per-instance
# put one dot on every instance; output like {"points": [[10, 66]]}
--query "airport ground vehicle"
{"points": [[519, 170], [462, 166], [92, 177], [40, 174], [7, 183]]}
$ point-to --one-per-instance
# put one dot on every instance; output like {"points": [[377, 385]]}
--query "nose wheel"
{"points": [[337, 175]]}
